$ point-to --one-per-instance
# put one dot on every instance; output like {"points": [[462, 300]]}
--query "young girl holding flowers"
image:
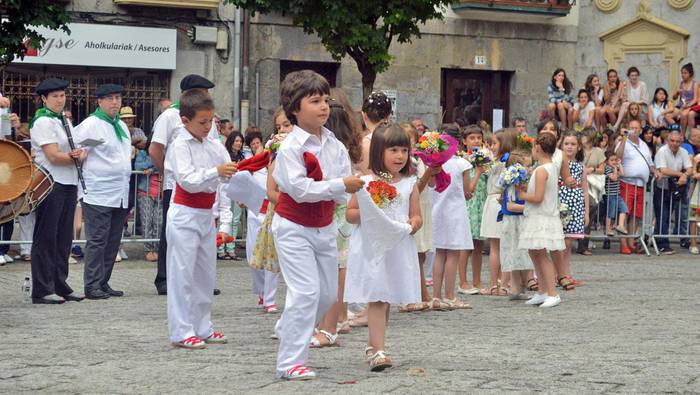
{"points": [[515, 260], [473, 137], [576, 201], [451, 233], [378, 277], [542, 230]]}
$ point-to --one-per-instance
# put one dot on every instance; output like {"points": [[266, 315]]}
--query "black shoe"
{"points": [[666, 251], [162, 291], [217, 291], [112, 292], [96, 295], [685, 244], [73, 297], [606, 244], [49, 299]]}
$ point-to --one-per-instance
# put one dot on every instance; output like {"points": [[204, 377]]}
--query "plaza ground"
{"points": [[633, 327]]}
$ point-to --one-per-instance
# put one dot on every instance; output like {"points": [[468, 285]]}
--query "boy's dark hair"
{"points": [[387, 136], [451, 129], [548, 142], [250, 136], [472, 129], [377, 106], [610, 153], [192, 101], [298, 85]]}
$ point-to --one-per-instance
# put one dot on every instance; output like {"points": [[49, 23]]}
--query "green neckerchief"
{"points": [[45, 112], [121, 134], [175, 105]]}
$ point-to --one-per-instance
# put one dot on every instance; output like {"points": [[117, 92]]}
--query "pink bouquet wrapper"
{"points": [[442, 179]]}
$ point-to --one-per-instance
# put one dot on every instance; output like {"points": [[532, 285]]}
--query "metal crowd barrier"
{"points": [[606, 215], [672, 211]]}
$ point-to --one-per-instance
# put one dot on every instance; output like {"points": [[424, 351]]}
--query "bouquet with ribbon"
{"points": [[383, 194], [565, 214], [515, 174], [434, 149]]}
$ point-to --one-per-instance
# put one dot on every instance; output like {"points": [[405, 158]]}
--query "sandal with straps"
{"points": [[332, 340], [437, 305], [379, 361], [533, 285], [456, 304], [566, 283]]}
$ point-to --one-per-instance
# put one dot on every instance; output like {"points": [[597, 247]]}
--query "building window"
{"points": [[470, 96], [327, 69]]}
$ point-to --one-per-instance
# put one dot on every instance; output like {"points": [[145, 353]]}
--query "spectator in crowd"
{"points": [[560, 99], [419, 125], [164, 104], [584, 110], [612, 93], [597, 95], [226, 128], [234, 147], [671, 191], [253, 141], [594, 166], [637, 165], [660, 113], [148, 190], [693, 144], [138, 141], [634, 91], [687, 95], [634, 112], [520, 124], [652, 139]]}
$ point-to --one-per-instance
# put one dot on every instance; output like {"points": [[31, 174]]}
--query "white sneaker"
{"points": [[2, 260], [551, 301], [299, 372], [8, 259], [537, 299], [694, 250], [122, 253]]}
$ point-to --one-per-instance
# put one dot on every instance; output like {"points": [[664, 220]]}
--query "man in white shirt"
{"points": [[671, 190], [166, 128], [105, 204]]}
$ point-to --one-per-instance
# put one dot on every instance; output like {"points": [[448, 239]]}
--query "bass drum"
{"points": [[16, 171], [40, 187]]}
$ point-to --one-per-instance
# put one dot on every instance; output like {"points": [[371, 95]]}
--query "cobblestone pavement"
{"points": [[633, 327]]}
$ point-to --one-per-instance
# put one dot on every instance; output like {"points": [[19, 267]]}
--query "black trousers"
{"points": [[161, 278], [103, 232], [51, 242], [6, 231]]}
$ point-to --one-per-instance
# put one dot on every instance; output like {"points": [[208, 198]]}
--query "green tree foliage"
{"points": [[362, 29], [18, 22]]}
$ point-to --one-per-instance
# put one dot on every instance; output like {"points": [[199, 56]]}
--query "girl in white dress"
{"points": [[542, 229], [394, 278], [515, 260], [451, 232], [503, 142]]}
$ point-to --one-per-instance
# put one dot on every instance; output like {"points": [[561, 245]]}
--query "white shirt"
{"points": [[108, 166], [47, 131], [194, 163], [636, 163], [584, 112], [167, 127], [290, 171], [665, 158]]}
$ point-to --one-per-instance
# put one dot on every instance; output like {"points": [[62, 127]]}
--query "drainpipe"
{"points": [[237, 69]]}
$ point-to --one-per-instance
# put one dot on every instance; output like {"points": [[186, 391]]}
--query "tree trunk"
{"points": [[369, 75]]}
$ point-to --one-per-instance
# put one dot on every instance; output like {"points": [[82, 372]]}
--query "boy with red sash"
{"points": [[200, 163], [312, 172]]}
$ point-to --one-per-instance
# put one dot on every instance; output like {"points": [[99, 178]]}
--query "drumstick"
{"points": [[78, 165]]}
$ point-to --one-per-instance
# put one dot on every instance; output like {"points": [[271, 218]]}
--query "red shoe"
{"points": [[625, 251], [260, 302], [192, 342], [271, 308], [217, 338]]}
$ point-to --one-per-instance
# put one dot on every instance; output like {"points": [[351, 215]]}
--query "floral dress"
{"points": [[573, 198], [264, 253], [475, 205]]}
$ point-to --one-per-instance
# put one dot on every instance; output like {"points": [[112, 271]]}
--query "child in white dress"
{"points": [[451, 232], [542, 229], [393, 277], [514, 260]]}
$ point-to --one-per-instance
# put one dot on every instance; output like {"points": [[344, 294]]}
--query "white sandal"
{"points": [[332, 340], [379, 361]]}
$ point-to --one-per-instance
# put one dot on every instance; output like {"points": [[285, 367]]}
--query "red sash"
{"points": [[195, 200], [312, 215]]}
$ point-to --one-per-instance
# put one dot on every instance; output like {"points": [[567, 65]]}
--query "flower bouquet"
{"points": [[434, 149], [515, 174], [565, 214], [525, 143], [479, 157], [382, 193]]}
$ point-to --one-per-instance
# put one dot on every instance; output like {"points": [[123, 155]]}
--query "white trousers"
{"points": [[308, 258], [26, 232], [264, 282], [191, 271]]}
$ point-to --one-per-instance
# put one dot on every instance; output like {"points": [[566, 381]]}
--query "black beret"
{"points": [[193, 81], [108, 89], [50, 85]]}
